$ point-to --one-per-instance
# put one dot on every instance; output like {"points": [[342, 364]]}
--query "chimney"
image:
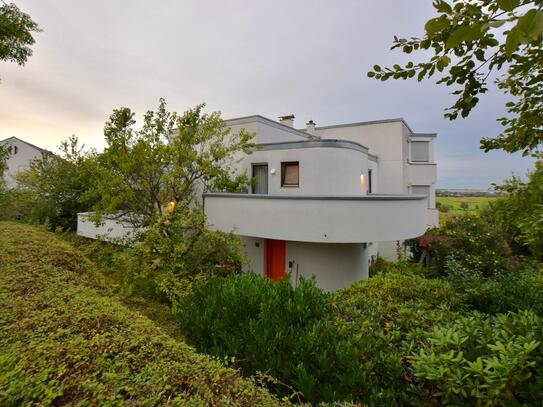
{"points": [[287, 120], [310, 127]]}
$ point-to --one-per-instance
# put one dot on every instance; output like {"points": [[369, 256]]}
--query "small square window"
{"points": [[290, 174]]}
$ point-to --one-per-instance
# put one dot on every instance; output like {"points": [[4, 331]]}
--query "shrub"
{"points": [[487, 361], [520, 213], [383, 318], [64, 340], [476, 242], [518, 290], [274, 328]]}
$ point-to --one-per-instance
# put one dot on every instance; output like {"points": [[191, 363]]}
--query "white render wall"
{"points": [[334, 266], [112, 230], [20, 161], [386, 141], [323, 171]]}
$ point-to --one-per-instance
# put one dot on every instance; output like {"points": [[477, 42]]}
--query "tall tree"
{"points": [[142, 173], [468, 42], [59, 182], [16, 34]]}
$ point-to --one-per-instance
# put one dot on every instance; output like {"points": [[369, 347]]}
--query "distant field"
{"points": [[462, 205]]}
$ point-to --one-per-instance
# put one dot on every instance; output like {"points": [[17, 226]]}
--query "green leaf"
{"points": [[457, 36], [513, 40], [376, 68], [507, 5], [443, 7], [531, 24], [436, 25]]}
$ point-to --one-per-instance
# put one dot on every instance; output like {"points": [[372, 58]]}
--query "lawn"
{"points": [[65, 339], [462, 205]]}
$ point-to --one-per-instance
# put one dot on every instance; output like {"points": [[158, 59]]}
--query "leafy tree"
{"points": [[16, 30], [60, 183], [3, 164], [471, 40], [143, 173], [520, 212]]}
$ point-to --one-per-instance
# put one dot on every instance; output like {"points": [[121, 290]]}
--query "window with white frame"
{"points": [[420, 151]]}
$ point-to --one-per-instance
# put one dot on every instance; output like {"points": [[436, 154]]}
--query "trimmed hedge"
{"points": [[65, 340]]}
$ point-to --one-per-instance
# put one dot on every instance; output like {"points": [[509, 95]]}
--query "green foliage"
{"points": [[520, 213], [4, 154], [174, 252], [516, 290], [16, 30], [383, 318], [64, 340], [273, 328], [173, 158], [469, 41], [487, 361], [59, 183], [476, 242]]}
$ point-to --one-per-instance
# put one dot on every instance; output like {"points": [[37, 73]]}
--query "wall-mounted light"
{"points": [[362, 182], [272, 171]]}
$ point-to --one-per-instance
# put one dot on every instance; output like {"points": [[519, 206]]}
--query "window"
{"points": [[290, 174], [260, 178], [15, 149], [420, 151], [369, 181]]}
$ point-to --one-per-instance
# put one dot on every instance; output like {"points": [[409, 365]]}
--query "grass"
{"points": [[462, 205], [66, 340]]}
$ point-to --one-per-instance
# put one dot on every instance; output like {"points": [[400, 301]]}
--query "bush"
{"points": [[476, 242], [487, 361], [383, 318], [274, 328], [518, 290], [64, 340], [520, 213]]}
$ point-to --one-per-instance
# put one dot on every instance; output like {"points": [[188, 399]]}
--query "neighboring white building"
{"points": [[21, 154], [324, 199]]}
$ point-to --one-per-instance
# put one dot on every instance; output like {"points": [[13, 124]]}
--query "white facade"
{"points": [[21, 154], [361, 189]]}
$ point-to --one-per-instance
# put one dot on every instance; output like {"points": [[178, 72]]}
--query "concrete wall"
{"points": [[385, 140], [112, 230], [323, 171], [334, 266], [19, 161], [357, 219]]}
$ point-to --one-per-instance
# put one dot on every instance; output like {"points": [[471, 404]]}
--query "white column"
{"points": [[363, 273]]}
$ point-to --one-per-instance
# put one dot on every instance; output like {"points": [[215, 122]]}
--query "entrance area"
{"points": [[274, 259]]}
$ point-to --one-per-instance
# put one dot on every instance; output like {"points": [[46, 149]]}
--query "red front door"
{"points": [[275, 259]]}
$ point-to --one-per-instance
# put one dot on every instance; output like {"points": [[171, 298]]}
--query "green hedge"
{"points": [[274, 328], [65, 340]]}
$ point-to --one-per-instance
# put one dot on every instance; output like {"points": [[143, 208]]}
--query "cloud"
{"points": [[242, 57]]}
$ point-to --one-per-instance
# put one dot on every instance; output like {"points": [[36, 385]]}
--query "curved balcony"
{"points": [[324, 219]]}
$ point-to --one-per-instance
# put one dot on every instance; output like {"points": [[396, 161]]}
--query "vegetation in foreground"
{"points": [[65, 340]]}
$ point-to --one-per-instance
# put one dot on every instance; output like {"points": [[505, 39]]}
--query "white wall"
{"points": [[308, 219], [109, 229], [384, 140], [323, 171], [334, 266], [20, 161]]}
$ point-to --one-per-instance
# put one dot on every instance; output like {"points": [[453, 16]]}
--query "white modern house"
{"points": [[20, 155], [324, 199]]}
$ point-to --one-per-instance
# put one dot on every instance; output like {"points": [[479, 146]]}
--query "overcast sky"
{"points": [[271, 58]]}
